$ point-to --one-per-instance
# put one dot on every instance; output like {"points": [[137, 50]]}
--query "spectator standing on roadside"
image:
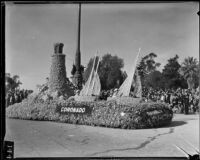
{"points": [[12, 99], [162, 97], [16, 98], [186, 103], [26, 93], [8, 100], [22, 95], [168, 96]]}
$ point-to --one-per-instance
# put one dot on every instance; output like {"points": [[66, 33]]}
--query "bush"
{"points": [[104, 113]]}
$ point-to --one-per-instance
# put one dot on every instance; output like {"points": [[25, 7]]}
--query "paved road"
{"points": [[51, 139]]}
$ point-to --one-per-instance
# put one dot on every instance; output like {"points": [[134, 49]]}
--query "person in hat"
{"points": [[77, 92], [115, 92]]}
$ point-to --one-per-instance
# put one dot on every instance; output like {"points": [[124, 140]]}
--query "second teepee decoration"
{"points": [[125, 88]]}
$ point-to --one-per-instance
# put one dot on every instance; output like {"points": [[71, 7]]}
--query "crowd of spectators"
{"points": [[16, 96], [180, 100]]}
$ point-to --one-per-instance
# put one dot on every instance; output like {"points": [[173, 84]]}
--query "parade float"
{"points": [[55, 100]]}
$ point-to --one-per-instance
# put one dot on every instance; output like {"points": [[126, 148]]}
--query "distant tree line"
{"points": [[174, 75]]}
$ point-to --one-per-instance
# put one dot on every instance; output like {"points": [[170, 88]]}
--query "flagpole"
{"points": [[78, 74]]}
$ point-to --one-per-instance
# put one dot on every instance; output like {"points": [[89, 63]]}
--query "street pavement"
{"points": [[52, 139]]}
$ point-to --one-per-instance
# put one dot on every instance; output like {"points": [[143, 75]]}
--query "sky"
{"points": [[165, 29]]}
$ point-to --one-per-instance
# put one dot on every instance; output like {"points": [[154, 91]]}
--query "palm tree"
{"points": [[189, 70], [12, 83]]}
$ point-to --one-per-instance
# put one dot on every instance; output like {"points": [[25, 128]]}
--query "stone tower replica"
{"points": [[57, 78], [78, 74]]}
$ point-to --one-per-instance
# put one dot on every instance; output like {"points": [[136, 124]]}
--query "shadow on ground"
{"points": [[175, 124]]}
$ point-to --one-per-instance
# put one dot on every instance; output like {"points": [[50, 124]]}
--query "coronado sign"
{"points": [[74, 110]]}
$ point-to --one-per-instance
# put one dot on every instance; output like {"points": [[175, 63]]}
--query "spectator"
{"points": [[16, 97]]}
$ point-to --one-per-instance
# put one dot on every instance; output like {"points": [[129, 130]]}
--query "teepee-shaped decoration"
{"points": [[93, 85], [124, 90], [137, 85]]}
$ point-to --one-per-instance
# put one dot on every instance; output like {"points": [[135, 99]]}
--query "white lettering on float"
{"points": [[62, 109], [72, 110]]}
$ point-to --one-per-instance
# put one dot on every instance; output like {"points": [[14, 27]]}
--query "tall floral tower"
{"points": [[57, 78], [78, 75]]}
